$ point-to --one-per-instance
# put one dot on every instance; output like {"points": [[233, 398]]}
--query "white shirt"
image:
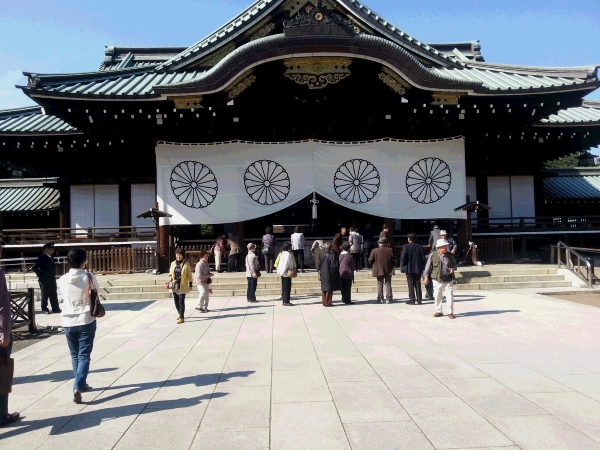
{"points": [[74, 287], [298, 241], [286, 262]]}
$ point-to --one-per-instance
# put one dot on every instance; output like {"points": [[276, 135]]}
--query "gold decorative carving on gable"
{"points": [[305, 6], [317, 73], [393, 81], [241, 84], [214, 58], [187, 102], [446, 98], [261, 30]]}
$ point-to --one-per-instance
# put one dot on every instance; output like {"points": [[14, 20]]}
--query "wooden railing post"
{"points": [[31, 310]]}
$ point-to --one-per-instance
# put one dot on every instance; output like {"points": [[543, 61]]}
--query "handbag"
{"points": [[96, 308], [292, 273], [7, 371], [256, 275], [265, 251]]}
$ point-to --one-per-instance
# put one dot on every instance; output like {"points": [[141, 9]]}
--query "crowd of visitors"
{"points": [[336, 263]]}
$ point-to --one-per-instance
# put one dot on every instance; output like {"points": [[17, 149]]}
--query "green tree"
{"points": [[563, 162]]}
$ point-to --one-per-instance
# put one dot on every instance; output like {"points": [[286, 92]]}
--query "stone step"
{"points": [[274, 283], [398, 289], [160, 280]]}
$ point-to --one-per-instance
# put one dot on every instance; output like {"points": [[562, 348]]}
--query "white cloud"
{"points": [[11, 97]]}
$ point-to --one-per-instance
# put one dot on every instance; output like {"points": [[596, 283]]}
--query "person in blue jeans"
{"points": [[77, 319], [6, 344]]}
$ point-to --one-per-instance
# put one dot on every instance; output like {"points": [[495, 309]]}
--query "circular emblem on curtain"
{"points": [[428, 180], [194, 184], [266, 182], [356, 181]]}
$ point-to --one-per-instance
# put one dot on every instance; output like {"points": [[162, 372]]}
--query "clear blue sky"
{"points": [[62, 36]]}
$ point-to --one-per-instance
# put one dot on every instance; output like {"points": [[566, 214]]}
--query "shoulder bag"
{"points": [[96, 308], [292, 273]]}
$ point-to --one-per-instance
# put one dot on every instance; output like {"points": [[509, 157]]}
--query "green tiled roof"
{"points": [[123, 83], [35, 198], [262, 8], [30, 120], [587, 114], [503, 80], [572, 187]]}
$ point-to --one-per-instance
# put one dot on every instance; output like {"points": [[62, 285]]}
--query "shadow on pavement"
{"points": [[90, 419], [196, 380], [56, 377], [226, 316], [127, 306], [485, 313]]}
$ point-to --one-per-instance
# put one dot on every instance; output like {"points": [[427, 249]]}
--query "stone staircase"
{"points": [[152, 287]]}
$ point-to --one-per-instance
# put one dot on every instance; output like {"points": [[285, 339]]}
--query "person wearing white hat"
{"points": [[452, 247], [439, 271]]}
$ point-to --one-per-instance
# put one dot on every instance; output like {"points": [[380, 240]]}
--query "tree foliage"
{"points": [[564, 162]]}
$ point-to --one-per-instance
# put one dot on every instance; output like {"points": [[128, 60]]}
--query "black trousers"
{"points": [[286, 289], [346, 290], [357, 260], [299, 255], [414, 287], [366, 254], [48, 288], [251, 292], [269, 262], [179, 304], [232, 263]]}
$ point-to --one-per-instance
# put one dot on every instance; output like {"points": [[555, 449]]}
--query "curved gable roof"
{"points": [[261, 9]]}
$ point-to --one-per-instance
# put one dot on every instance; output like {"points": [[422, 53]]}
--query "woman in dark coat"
{"points": [[330, 274]]}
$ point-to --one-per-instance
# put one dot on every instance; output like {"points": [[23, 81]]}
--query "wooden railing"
{"points": [[122, 260], [495, 249], [74, 235], [528, 224], [22, 309]]}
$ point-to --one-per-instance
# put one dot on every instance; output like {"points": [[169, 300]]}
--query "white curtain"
{"points": [[238, 181]]}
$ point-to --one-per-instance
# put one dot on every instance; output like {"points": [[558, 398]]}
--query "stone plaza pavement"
{"points": [[513, 370]]}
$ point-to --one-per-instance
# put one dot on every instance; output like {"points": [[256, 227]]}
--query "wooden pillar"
{"points": [[482, 196], [125, 204], [64, 210], [163, 248]]}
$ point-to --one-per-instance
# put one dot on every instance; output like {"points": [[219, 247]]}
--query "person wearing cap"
{"points": [[45, 269], [439, 271], [452, 246], [252, 273], [433, 238], [382, 261]]}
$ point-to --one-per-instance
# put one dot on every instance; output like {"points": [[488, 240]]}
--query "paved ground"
{"points": [[514, 370]]}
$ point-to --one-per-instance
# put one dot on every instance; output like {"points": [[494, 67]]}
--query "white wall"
{"points": [[143, 197], [523, 196], [82, 206], [499, 197], [95, 206], [511, 196]]}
